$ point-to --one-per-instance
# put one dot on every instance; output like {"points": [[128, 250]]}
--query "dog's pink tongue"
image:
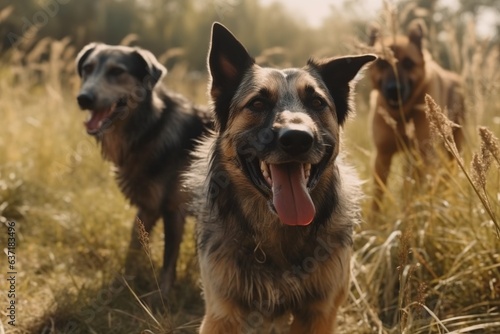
{"points": [[96, 117], [290, 196]]}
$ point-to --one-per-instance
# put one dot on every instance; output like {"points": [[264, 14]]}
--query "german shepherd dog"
{"points": [[399, 92], [147, 132], [274, 233]]}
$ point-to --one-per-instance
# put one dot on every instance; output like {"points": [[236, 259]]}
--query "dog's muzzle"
{"points": [[100, 117], [394, 90], [288, 172]]}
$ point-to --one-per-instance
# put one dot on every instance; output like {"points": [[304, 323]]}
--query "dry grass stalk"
{"points": [[442, 128], [481, 161], [388, 119], [143, 236], [145, 242], [479, 166], [490, 143]]}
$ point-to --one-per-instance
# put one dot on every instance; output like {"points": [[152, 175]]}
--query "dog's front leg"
{"points": [[221, 315], [382, 167], [173, 222], [385, 141], [318, 321]]}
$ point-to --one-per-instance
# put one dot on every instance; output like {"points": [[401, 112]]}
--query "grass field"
{"points": [[428, 263]]}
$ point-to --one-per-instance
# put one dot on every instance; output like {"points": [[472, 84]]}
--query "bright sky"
{"points": [[315, 11]]}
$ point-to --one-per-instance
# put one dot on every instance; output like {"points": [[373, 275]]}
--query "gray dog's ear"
{"points": [[417, 31], [83, 55], [150, 70]]}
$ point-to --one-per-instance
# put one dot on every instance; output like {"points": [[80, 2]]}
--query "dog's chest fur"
{"points": [[146, 159], [278, 277]]}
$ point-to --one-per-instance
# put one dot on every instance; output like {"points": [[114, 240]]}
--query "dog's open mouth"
{"points": [[288, 186], [101, 119]]}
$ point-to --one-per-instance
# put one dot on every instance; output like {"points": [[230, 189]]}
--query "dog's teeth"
{"points": [[99, 124], [264, 168], [307, 171]]}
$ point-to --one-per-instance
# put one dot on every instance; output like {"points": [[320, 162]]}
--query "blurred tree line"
{"points": [[184, 25], [159, 25]]}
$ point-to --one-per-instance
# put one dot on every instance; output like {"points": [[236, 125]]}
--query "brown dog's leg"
{"points": [[318, 319], [320, 324], [382, 167], [385, 140], [173, 222], [212, 325], [221, 316]]}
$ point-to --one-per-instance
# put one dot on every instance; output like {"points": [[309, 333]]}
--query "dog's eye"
{"points": [[317, 103], [116, 71], [407, 63], [87, 69], [257, 105]]}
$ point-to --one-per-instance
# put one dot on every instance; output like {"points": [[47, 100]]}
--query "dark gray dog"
{"points": [[148, 133]]}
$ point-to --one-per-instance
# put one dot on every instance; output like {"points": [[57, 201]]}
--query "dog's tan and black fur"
{"points": [[147, 132], [401, 97], [275, 228]]}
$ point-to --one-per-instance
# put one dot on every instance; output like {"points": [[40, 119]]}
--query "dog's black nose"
{"points": [[391, 91], [295, 141], [85, 100]]}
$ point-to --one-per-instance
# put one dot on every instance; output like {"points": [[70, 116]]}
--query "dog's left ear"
{"points": [[83, 55], [338, 75], [417, 31], [150, 71]]}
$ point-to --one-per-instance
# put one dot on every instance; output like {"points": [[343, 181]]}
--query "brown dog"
{"points": [[277, 203], [398, 99]]}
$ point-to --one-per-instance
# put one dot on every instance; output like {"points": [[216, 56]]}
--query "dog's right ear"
{"points": [[228, 61], [417, 31], [339, 77], [83, 55]]}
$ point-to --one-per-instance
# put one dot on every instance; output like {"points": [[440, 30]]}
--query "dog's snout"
{"points": [[295, 141], [391, 91], [86, 100], [394, 90]]}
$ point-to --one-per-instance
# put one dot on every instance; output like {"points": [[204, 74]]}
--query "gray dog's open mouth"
{"points": [[101, 119], [288, 186]]}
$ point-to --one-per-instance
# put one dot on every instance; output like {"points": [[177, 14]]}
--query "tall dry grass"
{"points": [[430, 262]]}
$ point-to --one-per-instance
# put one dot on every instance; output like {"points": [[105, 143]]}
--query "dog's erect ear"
{"points": [[416, 32], [228, 60], [338, 75], [373, 34], [83, 55], [149, 71]]}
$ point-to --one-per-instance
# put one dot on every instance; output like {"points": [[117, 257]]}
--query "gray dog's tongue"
{"points": [[290, 196], [96, 116]]}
